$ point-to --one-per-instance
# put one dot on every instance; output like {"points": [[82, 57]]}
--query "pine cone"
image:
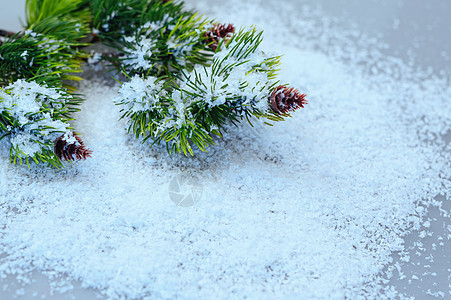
{"points": [[284, 99], [220, 31], [71, 147]]}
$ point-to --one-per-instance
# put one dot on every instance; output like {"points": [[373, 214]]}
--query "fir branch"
{"points": [[35, 104], [114, 19], [36, 57], [188, 77], [67, 20], [36, 101], [32, 117], [189, 109], [164, 47]]}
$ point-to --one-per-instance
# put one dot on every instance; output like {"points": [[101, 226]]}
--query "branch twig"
{"points": [[6, 33]]}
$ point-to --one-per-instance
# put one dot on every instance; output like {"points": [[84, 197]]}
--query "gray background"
{"points": [[418, 30]]}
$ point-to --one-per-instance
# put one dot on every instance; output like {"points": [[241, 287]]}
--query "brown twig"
{"points": [[6, 33]]}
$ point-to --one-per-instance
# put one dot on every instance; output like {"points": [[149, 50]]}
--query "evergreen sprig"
{"points": [[32, 116], [190, 108], [187, 75], [165, 47], [152, 37], [115, 19], [64, 20], [40, 58], [36, 67]]}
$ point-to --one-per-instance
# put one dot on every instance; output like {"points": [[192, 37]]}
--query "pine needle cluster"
{"points": [[187, 76], [64, 20], [191, 107], [36, 67]]}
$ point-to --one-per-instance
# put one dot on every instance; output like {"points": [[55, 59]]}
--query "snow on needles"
{"points": [[243, 79], [36, 129], [240, 75], [141, 46], [140, 94], [312, 208], [139, 57]]}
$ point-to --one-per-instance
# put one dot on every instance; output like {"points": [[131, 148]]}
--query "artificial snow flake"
{"points": [[138, 56], [141, 94]]}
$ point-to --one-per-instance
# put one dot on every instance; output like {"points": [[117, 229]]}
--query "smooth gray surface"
{"points": [[12, 14], [418, 29], [414, 29]]}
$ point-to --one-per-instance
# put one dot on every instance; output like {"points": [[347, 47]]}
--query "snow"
{"points": [[138, 57], [95, 58], [140, 94], [70, 139], [180, 49], [313, 207]]}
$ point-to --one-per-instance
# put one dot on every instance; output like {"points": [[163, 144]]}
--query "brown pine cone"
{"points": [[284, 99], [73, 150], [217, 33]]}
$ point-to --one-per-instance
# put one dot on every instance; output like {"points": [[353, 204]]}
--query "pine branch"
{"points": [[39, 58], [158, 51], [32, 117], [152, 37], [188, 77], [187, 110], [115, 19], [36, 101], [66, 20]]}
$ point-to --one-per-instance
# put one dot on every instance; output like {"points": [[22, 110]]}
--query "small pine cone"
{"points": [[220, 31], [69, 146], [284, 99]]}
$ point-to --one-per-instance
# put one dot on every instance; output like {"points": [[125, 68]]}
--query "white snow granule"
{"points": [[139, 57], [94, 58], [311, 208], [140, 94]]}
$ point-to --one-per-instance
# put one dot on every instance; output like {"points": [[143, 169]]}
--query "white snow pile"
{"points": [[311, 208]]}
